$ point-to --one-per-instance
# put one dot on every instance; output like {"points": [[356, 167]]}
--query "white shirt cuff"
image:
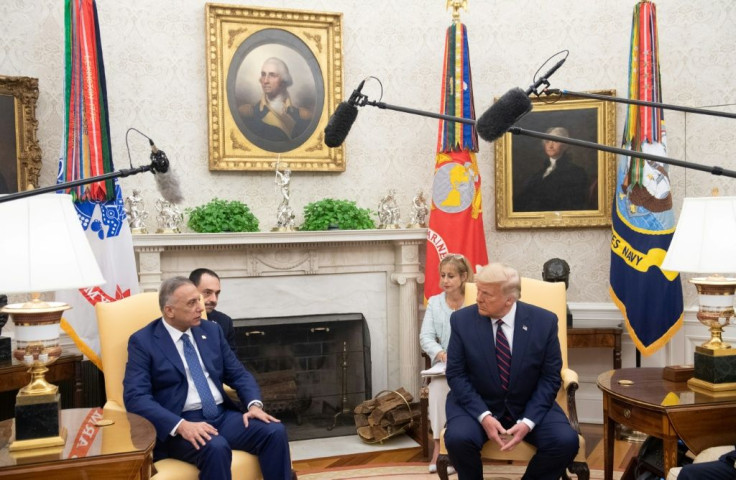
{"points": [[529, 423], [483, 415], [173, 431]]}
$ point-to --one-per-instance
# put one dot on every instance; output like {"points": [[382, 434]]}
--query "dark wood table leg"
{"points": [[78, 385], [670, 453], [617, 352]]}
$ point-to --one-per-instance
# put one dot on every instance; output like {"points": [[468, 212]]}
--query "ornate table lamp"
{"points": [[705, 242], [43, 248]]}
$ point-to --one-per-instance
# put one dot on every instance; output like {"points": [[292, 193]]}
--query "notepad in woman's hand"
{"points": [[436, 370]]}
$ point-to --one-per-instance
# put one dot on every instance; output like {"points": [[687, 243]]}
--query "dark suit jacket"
{"points": [[226, 323], [472, 374], [565, 188], [155, 383]]}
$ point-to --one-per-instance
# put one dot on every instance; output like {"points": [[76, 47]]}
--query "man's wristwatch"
{"points": [[256, 403]]}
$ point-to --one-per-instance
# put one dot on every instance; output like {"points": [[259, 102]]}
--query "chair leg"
{"points": [[581, 470], [443, 461], [424, 428]]}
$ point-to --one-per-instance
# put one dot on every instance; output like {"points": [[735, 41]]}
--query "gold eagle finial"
{"points": [[456, 6]]}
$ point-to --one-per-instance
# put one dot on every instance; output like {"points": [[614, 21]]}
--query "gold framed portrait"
{"points": [[20, 153], [547, 184], [273, 77]]}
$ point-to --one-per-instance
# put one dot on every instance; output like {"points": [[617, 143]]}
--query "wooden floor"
{"points": [[593, 434]]}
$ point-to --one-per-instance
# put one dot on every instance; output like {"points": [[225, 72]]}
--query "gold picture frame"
{"points": [[304, 50], [20, 154], [578, 190]]}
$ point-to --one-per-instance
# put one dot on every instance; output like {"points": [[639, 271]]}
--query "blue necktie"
{"points": [[209, 408], [503, 356]]}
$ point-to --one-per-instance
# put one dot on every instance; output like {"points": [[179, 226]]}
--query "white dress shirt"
{"points": [[508, 329], [193, 401]]}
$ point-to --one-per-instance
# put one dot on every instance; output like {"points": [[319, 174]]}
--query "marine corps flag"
{"points": [[643, 221], [456, 220], [86, 153]]}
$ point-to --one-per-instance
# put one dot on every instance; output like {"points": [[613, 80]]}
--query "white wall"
{"points": [[155, 59]]}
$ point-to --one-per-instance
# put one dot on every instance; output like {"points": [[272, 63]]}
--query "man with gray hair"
{"points": [[174, 378], [558, 185], [275, 117], [503, 369]]}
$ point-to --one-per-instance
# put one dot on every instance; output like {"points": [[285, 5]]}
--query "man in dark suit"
{"points": [[559, 184], [208, 284], [721, 469], [174, 377], [505, 396]]}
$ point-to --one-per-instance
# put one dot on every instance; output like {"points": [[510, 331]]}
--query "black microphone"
{"points": [[167, 182], [339, 124], [509, 109], [503, 114]]}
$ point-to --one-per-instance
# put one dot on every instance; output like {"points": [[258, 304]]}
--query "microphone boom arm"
{"points": [[423, 113], [644, 103], [125, 172], [622, 151]]}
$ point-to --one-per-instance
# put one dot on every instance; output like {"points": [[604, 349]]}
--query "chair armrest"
{"points": [[570, 385], [568, 377], [113, 405]]}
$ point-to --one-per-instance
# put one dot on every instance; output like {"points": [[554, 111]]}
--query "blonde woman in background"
{"points": [[435, 336]]}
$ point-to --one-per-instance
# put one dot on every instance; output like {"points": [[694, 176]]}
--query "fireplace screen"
{"points": [[312, 369]]}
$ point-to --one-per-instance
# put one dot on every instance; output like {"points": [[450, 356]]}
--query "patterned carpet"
{"points": [[417, 471]]}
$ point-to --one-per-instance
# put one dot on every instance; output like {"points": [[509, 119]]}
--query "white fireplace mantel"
{"points": [[275, 274]]}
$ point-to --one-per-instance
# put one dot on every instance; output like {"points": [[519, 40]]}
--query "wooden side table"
{"points": [[597, 338], [664, 409], [14, 375], [122, 450]]}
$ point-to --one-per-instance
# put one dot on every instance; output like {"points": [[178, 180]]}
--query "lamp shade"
{"points": [[43, 246], [705, 237]]}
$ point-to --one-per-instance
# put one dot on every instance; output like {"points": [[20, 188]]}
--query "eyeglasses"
{"points": [[454, 255]]}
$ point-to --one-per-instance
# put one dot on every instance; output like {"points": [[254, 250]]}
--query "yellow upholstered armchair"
{"points": [[552, 297], [117, 321]]}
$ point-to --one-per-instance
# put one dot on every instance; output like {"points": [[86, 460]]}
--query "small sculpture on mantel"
{"points": [[388, 211], [137, 214], [557, 270], [419, 211], [284, 214], [169, 217]]}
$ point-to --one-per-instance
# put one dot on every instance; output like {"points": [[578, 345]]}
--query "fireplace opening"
{"points": [[312, 369]]}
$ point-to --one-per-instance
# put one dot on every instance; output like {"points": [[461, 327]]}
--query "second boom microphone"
{"points": [[339, 124]]}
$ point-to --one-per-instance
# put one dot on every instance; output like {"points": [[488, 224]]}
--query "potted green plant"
{"points": [[330, 213], [222, 216]]}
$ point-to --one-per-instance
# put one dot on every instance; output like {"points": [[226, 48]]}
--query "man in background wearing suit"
{"points": [[174, 378], [505, 396], [208, 284]]}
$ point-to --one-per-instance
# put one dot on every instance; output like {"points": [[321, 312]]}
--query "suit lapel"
{"points": [[522, 328], [164, 341], [486, 343]]}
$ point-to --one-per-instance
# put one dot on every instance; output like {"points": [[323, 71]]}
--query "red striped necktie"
{"points": [[503, 355]]}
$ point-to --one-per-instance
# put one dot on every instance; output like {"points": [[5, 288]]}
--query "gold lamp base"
{"points": [[715, 360], [39, 443], [716, 295], [38, 404]]}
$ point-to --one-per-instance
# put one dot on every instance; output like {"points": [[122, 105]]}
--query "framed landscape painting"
{"points": [[551, 184], [274, 76]]}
